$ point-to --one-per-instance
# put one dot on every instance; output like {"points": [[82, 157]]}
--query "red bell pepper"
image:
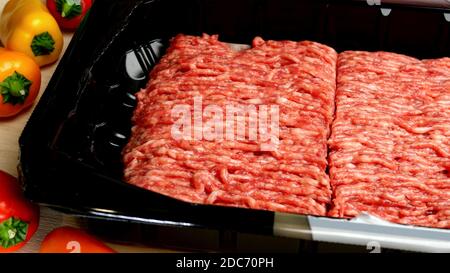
{"points": [[69, 13], [19, 218], [72, 240]]}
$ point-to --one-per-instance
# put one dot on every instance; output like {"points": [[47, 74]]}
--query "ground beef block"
{"points": [[298, 77], [390, 142]]}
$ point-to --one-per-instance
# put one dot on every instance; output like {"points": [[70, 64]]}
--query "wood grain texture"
{"points": [[10, 130]]}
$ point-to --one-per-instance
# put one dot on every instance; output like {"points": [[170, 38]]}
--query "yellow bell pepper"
{"points": [[28, 27]]}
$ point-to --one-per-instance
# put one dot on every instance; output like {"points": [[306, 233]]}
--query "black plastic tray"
{"points": [[70, 148]]}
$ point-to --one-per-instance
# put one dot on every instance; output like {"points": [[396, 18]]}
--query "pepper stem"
{"points": [[12, 232], [69, 8], [42, 44], [15, 88]]}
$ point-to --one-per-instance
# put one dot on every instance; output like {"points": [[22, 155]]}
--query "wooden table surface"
{"points": [[10, 130]]}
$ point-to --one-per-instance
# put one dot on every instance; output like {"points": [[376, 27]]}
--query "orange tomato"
{"points": [[72, 240], [20, 81]]}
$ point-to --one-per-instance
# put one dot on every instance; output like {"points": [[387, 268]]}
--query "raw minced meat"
{"points": [[390, 141], [298, 77], [389, 149]]}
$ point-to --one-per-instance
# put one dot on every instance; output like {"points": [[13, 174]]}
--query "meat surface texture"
{"points": [[298, 77], [390, 141]]}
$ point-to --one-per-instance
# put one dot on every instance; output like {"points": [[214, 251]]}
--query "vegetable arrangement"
{"points": [[31, 36], [18, 217], [30, 33]]}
